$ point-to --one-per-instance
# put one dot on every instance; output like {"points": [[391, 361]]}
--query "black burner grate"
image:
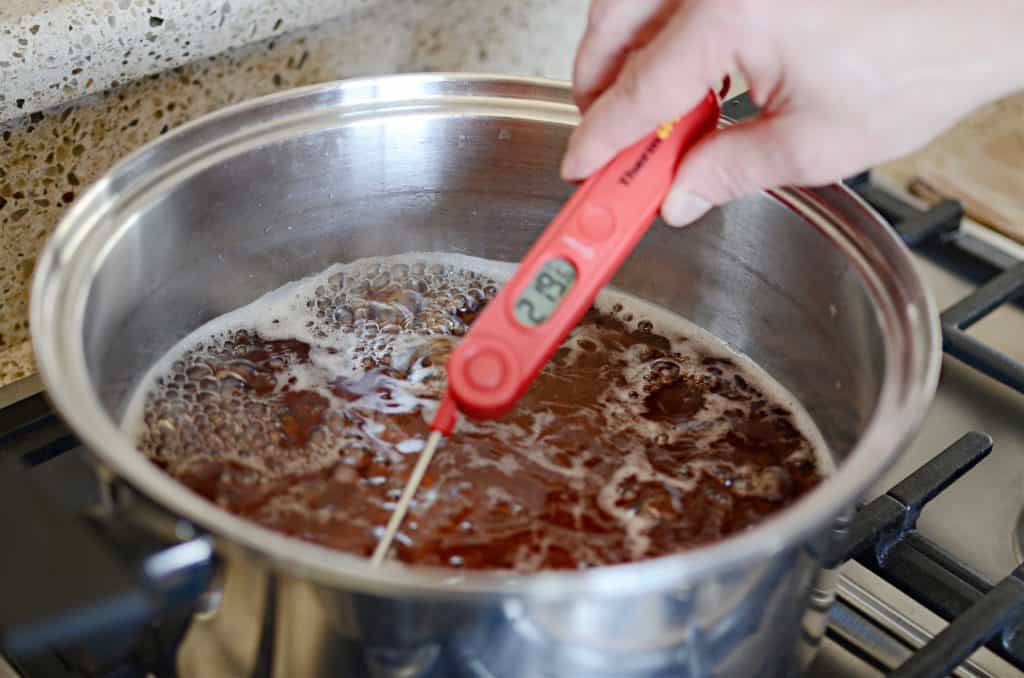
{"points": [[936, 232], [886, 541]]}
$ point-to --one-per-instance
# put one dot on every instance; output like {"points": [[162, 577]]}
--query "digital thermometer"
{"points": [[556, 283], [562, 274]]}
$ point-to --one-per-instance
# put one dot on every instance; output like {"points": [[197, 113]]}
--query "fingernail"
{"points": [[570, 167], [682, 208], [567, 169]]}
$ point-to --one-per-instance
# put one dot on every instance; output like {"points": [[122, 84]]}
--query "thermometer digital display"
{"points": [[539, 300]]}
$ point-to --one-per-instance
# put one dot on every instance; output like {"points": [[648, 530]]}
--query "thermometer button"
{"points": [[486, 370], [596, 222]]}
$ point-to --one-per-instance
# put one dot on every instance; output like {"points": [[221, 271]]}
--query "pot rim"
{"points": [[904, 308]]}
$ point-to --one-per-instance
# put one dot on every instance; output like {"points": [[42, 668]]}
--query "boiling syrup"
{"points": [[305, 412]]}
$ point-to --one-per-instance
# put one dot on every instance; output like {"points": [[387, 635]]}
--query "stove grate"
{"points": [[981, 614]]}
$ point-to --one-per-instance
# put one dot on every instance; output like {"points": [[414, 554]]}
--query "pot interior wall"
{"points": [[755, 274]]}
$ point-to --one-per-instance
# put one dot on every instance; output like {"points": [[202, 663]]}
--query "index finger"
{"points": [[667, 77], [614, 28]]}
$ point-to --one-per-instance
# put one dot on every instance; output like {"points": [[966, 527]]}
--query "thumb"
{"points": [[729, 164]]}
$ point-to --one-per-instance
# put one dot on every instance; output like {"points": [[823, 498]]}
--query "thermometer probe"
{"points": [[555, 284]]}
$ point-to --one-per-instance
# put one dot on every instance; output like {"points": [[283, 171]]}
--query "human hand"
{"points": [[841, 86]]}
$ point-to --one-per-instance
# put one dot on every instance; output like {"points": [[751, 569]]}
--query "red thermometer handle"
{"points": [[559, 278]]}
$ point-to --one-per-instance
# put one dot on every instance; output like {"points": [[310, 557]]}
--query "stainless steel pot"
{"points": [[809, 283]]}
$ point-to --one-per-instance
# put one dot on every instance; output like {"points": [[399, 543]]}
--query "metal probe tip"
{"points": [[384, 545]]}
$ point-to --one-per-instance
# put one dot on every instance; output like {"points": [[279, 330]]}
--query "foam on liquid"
{"points": [[305, 410]]}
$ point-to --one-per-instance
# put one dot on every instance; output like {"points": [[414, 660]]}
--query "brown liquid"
{"points": [[629, 445]]}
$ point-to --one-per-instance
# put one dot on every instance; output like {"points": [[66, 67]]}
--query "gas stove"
{"points": [[930, 581], [957, 554]]}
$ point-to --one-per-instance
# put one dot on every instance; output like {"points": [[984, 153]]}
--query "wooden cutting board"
{"points": [[980, 162]]}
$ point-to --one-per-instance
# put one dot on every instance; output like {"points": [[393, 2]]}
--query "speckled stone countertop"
{"points": [[49, 156], [54, 50]]}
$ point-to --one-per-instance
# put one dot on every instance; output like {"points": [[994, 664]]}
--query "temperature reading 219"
{"points": [[541, 297]]}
